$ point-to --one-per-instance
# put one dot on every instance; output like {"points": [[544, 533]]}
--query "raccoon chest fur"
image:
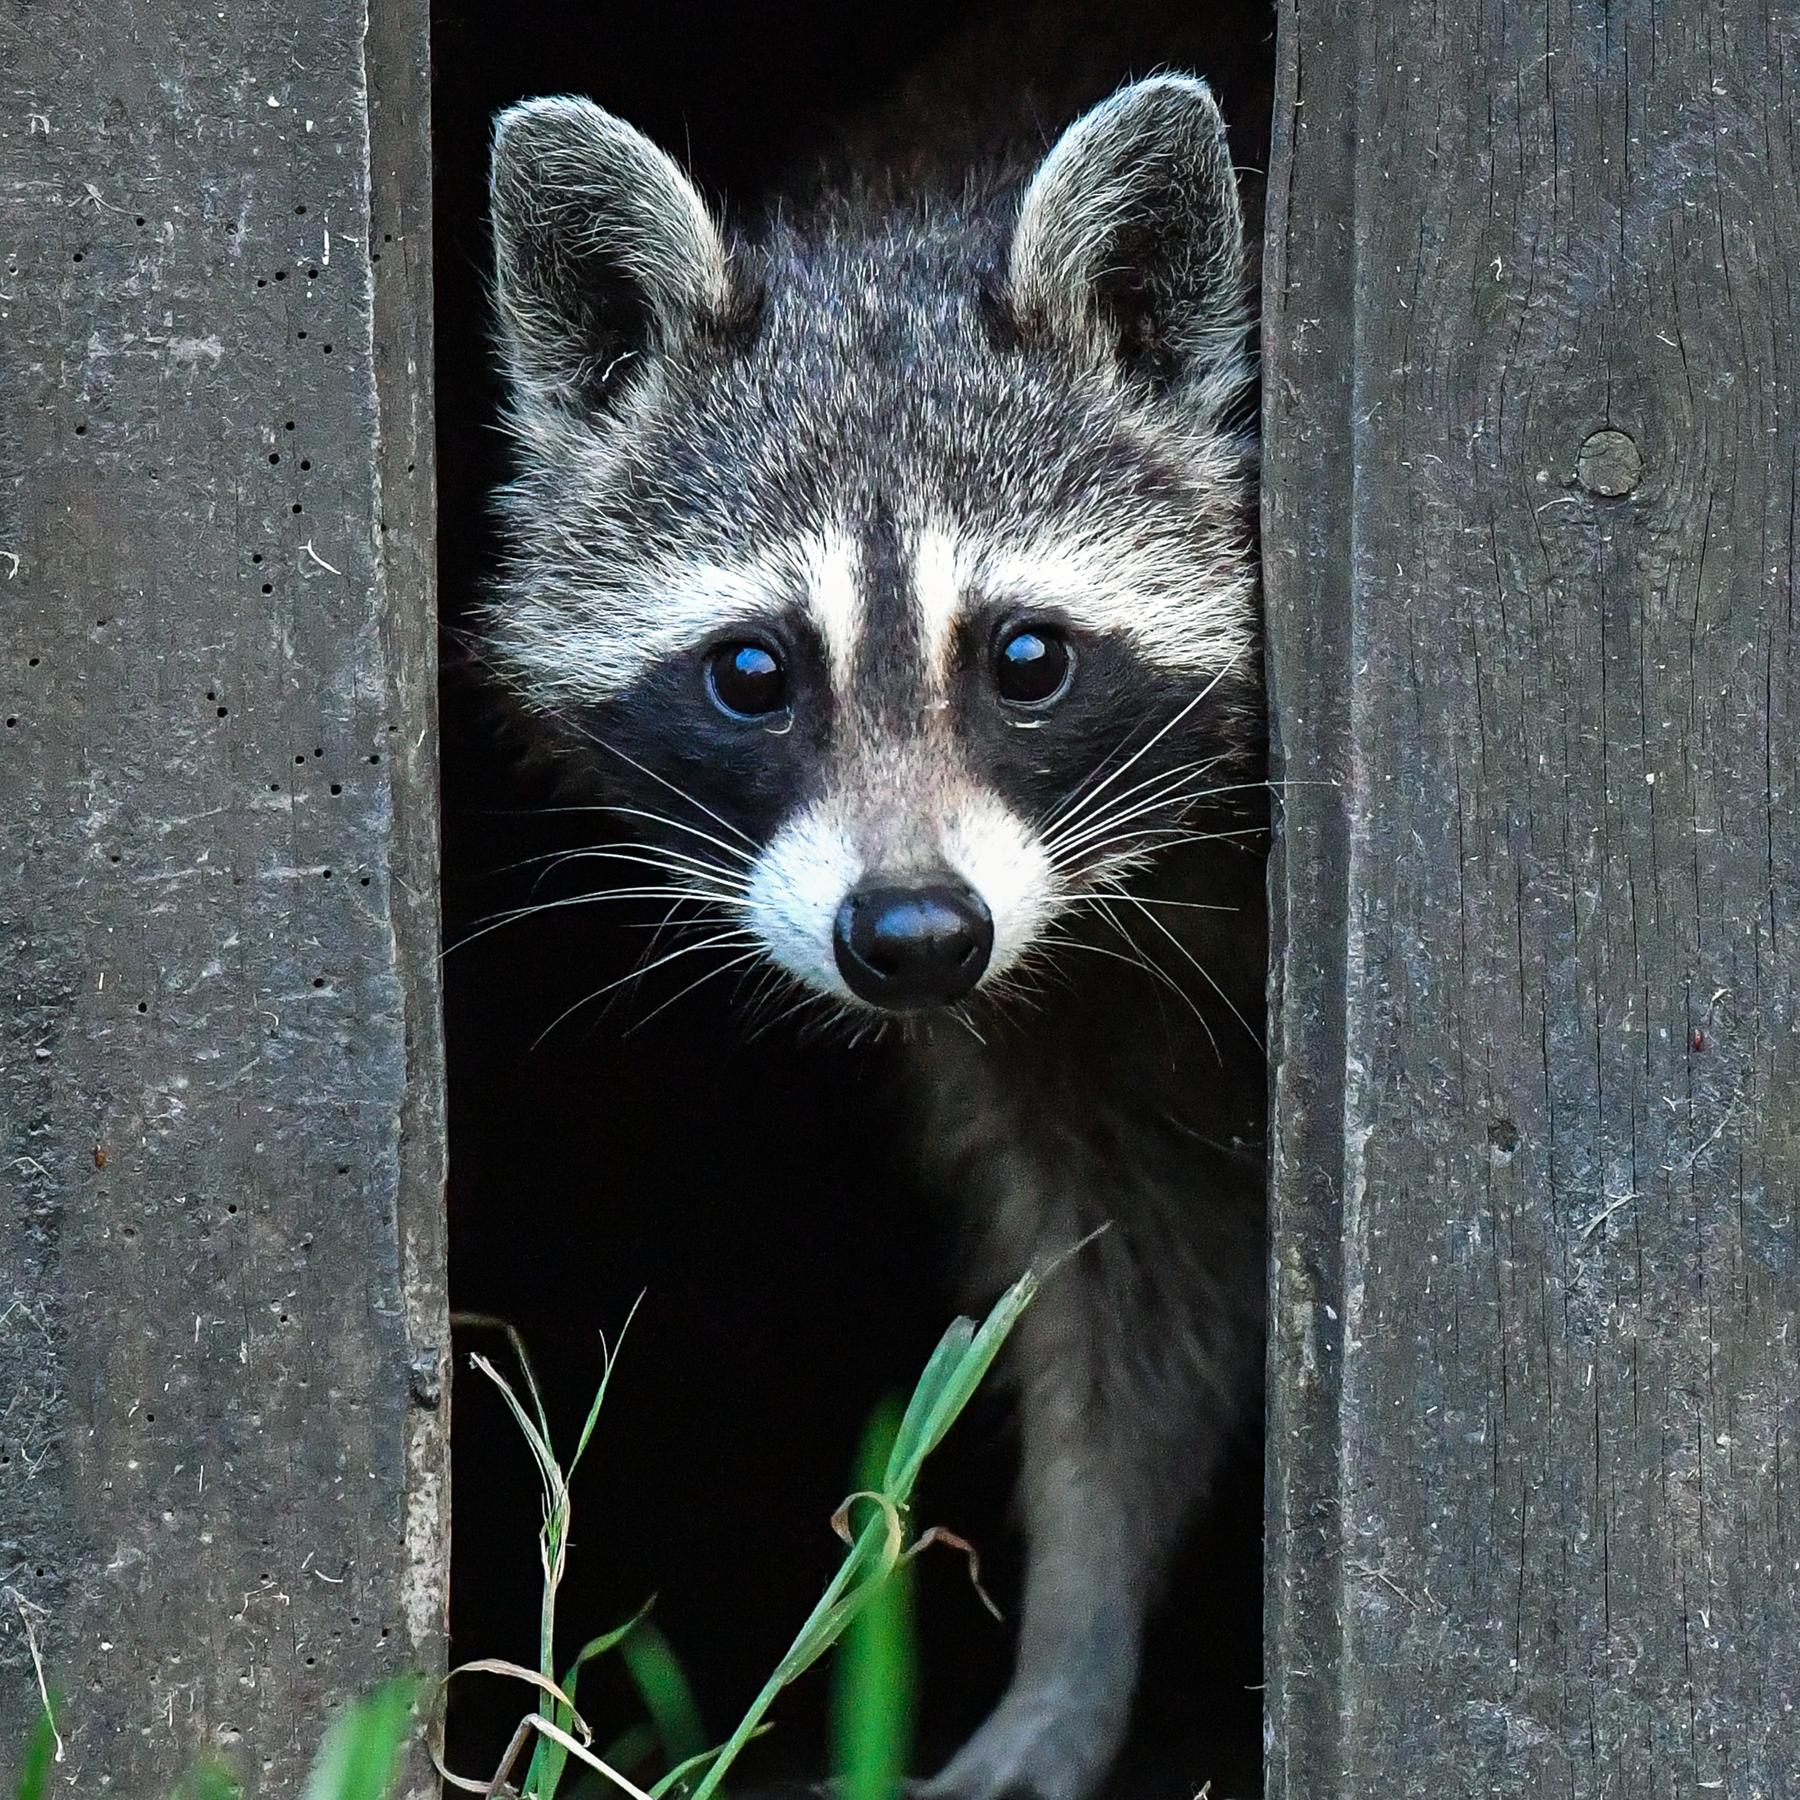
{"points": [[885, 571]]}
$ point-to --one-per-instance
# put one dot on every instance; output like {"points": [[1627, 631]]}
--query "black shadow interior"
{"points": [[749, 1191]]}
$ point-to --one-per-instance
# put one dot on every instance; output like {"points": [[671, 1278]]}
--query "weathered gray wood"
{"points": [[1533, 425], [222, 1427]]}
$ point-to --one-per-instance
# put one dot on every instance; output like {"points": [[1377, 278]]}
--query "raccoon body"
{"points": [[889, 570]]}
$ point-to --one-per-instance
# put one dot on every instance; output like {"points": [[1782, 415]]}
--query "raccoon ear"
{"points": [[1130, 239], [603, 249]]}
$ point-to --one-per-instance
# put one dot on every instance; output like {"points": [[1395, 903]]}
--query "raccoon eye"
{"points": [[746, 680], [1032, 666]]}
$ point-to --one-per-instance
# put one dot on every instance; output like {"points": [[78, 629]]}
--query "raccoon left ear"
{"points": [[604, 251], [1130, 239]]}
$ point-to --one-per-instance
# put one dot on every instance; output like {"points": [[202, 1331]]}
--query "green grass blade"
{"points": [[955, 1368], [876, 1673], [362, 1750], [548, 1760], [609, 1356], [662, 1683], [40, 1756], [961, 1374], [677, 1775], [951, 1348]]}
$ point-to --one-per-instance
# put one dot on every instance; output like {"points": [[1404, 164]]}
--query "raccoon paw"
{"points": [[1030, 1749]]}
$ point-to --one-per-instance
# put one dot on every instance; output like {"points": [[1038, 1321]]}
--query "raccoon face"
{"points": [[893, 570]]}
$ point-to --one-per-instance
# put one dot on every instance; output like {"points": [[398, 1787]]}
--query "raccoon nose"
{"points": [[908, 947]]}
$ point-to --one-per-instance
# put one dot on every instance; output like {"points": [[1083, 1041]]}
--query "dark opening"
{"points": [[752, 1192]]}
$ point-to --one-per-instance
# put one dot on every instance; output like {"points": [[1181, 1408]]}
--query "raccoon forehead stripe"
{"points": [[828, 569], [941, 572]]}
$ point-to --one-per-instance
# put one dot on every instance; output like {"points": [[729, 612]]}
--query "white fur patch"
{"points": [[594, 646], [798, 884], [1110, 586], [584, 647], [1102, 583], [1004, 861]]}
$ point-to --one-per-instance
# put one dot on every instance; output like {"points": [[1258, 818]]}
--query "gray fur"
{"points": [[870, 432]]}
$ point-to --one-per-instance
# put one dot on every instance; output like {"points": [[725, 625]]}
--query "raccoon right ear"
{"points": [[603, 249], [1130, 239]]}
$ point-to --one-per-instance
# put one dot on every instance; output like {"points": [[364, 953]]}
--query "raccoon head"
{"points": [[895, 567]]}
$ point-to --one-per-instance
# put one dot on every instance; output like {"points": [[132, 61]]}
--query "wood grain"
{"points": [[222, 1335], [1531, 532]]}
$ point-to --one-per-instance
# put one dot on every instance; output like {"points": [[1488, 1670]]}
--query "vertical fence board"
{"points": [[221, 1266], [1531, 524]]}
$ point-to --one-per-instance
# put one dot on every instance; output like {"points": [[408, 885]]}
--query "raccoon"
{"points": [[889, 567]]}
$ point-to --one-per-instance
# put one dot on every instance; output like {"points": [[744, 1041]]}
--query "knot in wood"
{"points": [[1609, 464]]}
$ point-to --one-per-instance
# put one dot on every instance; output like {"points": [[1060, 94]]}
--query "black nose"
{"points": [[906, 947]]}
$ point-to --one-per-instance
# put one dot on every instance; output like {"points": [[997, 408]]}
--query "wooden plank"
{"points": [[222, 1437], [1533, 430]]}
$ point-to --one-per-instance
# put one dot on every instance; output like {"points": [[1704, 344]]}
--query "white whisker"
{"points": [[600, 895], [680, 793], [735, 962], [733, 937], [1156, 739], [1205, 975]]}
